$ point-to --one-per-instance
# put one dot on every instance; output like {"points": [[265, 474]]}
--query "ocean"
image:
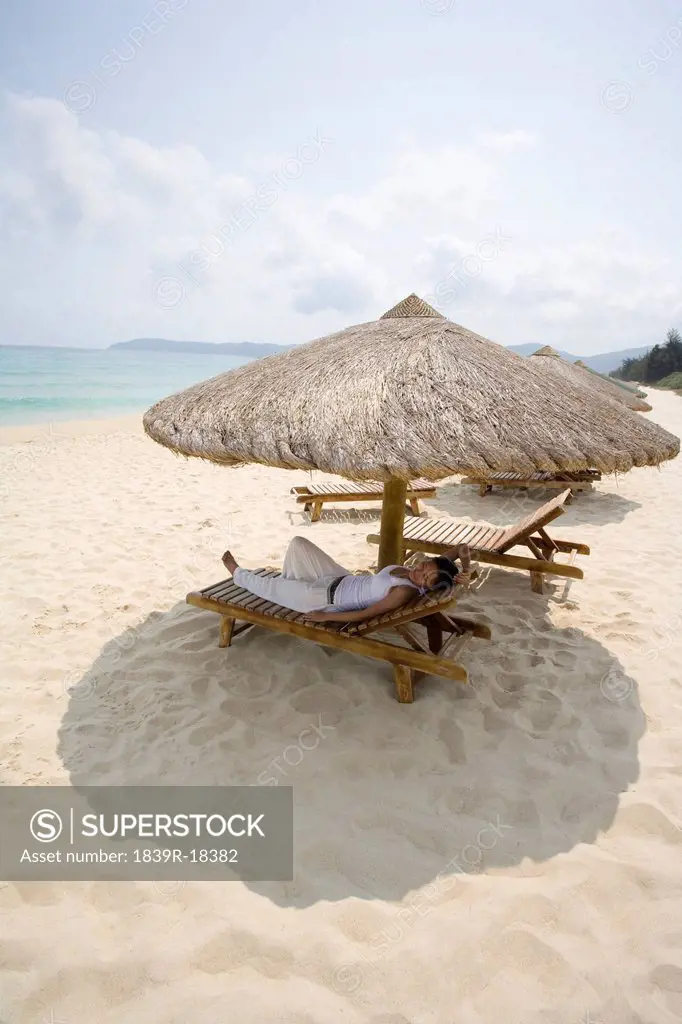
{"points": [[40, 385]]}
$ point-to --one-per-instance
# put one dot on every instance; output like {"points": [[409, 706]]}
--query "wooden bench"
{"points": [[424, 655], [314, 496], [581, 480]]}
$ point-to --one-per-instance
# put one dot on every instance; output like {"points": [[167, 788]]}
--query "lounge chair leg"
{"points": [[414, 505], [226, 627], [307, 507], [536, 582], [402, 677], [316, 512], [434, 632], [484, 489]]}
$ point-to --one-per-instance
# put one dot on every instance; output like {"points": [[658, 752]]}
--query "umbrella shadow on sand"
{"points": [[503, 507], [525, 763]]}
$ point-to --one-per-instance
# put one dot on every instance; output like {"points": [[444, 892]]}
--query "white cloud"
{"points": [[92, 221]]}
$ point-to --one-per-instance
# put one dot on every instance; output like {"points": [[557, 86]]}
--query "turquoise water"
{"points": [[57, 384]]}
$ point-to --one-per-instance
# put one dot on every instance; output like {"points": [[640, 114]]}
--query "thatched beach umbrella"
{"points": [[614, 382], [552, 363], [409, 395]]}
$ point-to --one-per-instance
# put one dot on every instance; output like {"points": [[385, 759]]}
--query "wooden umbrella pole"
{"points": [[392, 519]]}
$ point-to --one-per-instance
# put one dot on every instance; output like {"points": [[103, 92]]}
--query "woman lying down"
{"points": [[315, 585]]}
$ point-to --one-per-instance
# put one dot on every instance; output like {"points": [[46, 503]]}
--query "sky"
{"points": [[218, 171]]}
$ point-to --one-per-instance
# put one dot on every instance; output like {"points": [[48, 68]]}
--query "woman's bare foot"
{"points": [[229, 562]]}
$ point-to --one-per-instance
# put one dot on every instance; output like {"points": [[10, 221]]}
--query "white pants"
{"points": [[304, 583]]}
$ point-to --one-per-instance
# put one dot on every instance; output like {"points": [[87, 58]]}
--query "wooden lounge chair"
{"points": [[431, 611], [492, 544], [581, 480], [314, 496]]}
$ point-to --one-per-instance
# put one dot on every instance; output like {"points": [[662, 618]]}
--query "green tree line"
{"points": [[659, 362]]}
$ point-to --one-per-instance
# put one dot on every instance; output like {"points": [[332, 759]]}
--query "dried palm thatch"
{"points": [[624, 384], [409, 395], [552, 363]]}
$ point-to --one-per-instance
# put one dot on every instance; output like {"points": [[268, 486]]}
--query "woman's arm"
{"points": [[396, 597]]}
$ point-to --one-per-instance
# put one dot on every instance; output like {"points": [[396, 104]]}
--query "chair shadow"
{"points": [[346, 515], [504, 506], [532, 755]]}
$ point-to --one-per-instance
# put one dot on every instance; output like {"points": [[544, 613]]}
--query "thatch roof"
{"points": [[552, 362], [409, 395], [624, 384]]}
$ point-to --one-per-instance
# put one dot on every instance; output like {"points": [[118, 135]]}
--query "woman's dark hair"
{"points": [[447, 570]]}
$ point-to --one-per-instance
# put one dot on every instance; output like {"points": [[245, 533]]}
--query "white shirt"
{"points": [[355, 592]]}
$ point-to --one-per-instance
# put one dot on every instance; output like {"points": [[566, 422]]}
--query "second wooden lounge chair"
{"points": [[234, 604], [492, 544], [314, 496], [581, 480]]}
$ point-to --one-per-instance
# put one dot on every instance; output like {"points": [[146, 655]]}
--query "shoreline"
{"points": [[51, 430]]}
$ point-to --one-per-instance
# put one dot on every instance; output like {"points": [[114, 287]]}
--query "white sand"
{"points": [[407, 905]]}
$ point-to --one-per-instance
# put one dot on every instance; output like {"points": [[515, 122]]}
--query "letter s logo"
{"points": [[46, 826]]}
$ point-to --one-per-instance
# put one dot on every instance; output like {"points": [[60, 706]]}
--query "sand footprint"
{"points": [[452, 738], [203, 735], [333, 704], [564, 659], [667, 979]]}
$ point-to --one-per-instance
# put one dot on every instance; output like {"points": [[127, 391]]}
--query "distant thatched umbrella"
{"points": [[623, 384], [409, 395], [552, 362]]}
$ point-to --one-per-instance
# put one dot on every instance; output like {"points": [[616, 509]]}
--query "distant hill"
{"points": [[228, 348], [603, 363]]}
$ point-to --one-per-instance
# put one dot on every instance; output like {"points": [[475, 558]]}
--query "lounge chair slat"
{"points": [[424, 524], [253, 600], [474, 530], [461, 533], [214, 587], [436, 529], [493, 542], [445, 536], [488, 538], [228, 587], [467, 532], [440, 536], [266, 607], [452, 537], [479, 538]]}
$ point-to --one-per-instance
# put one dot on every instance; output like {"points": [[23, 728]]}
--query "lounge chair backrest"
{"points": [[527, 526]]}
